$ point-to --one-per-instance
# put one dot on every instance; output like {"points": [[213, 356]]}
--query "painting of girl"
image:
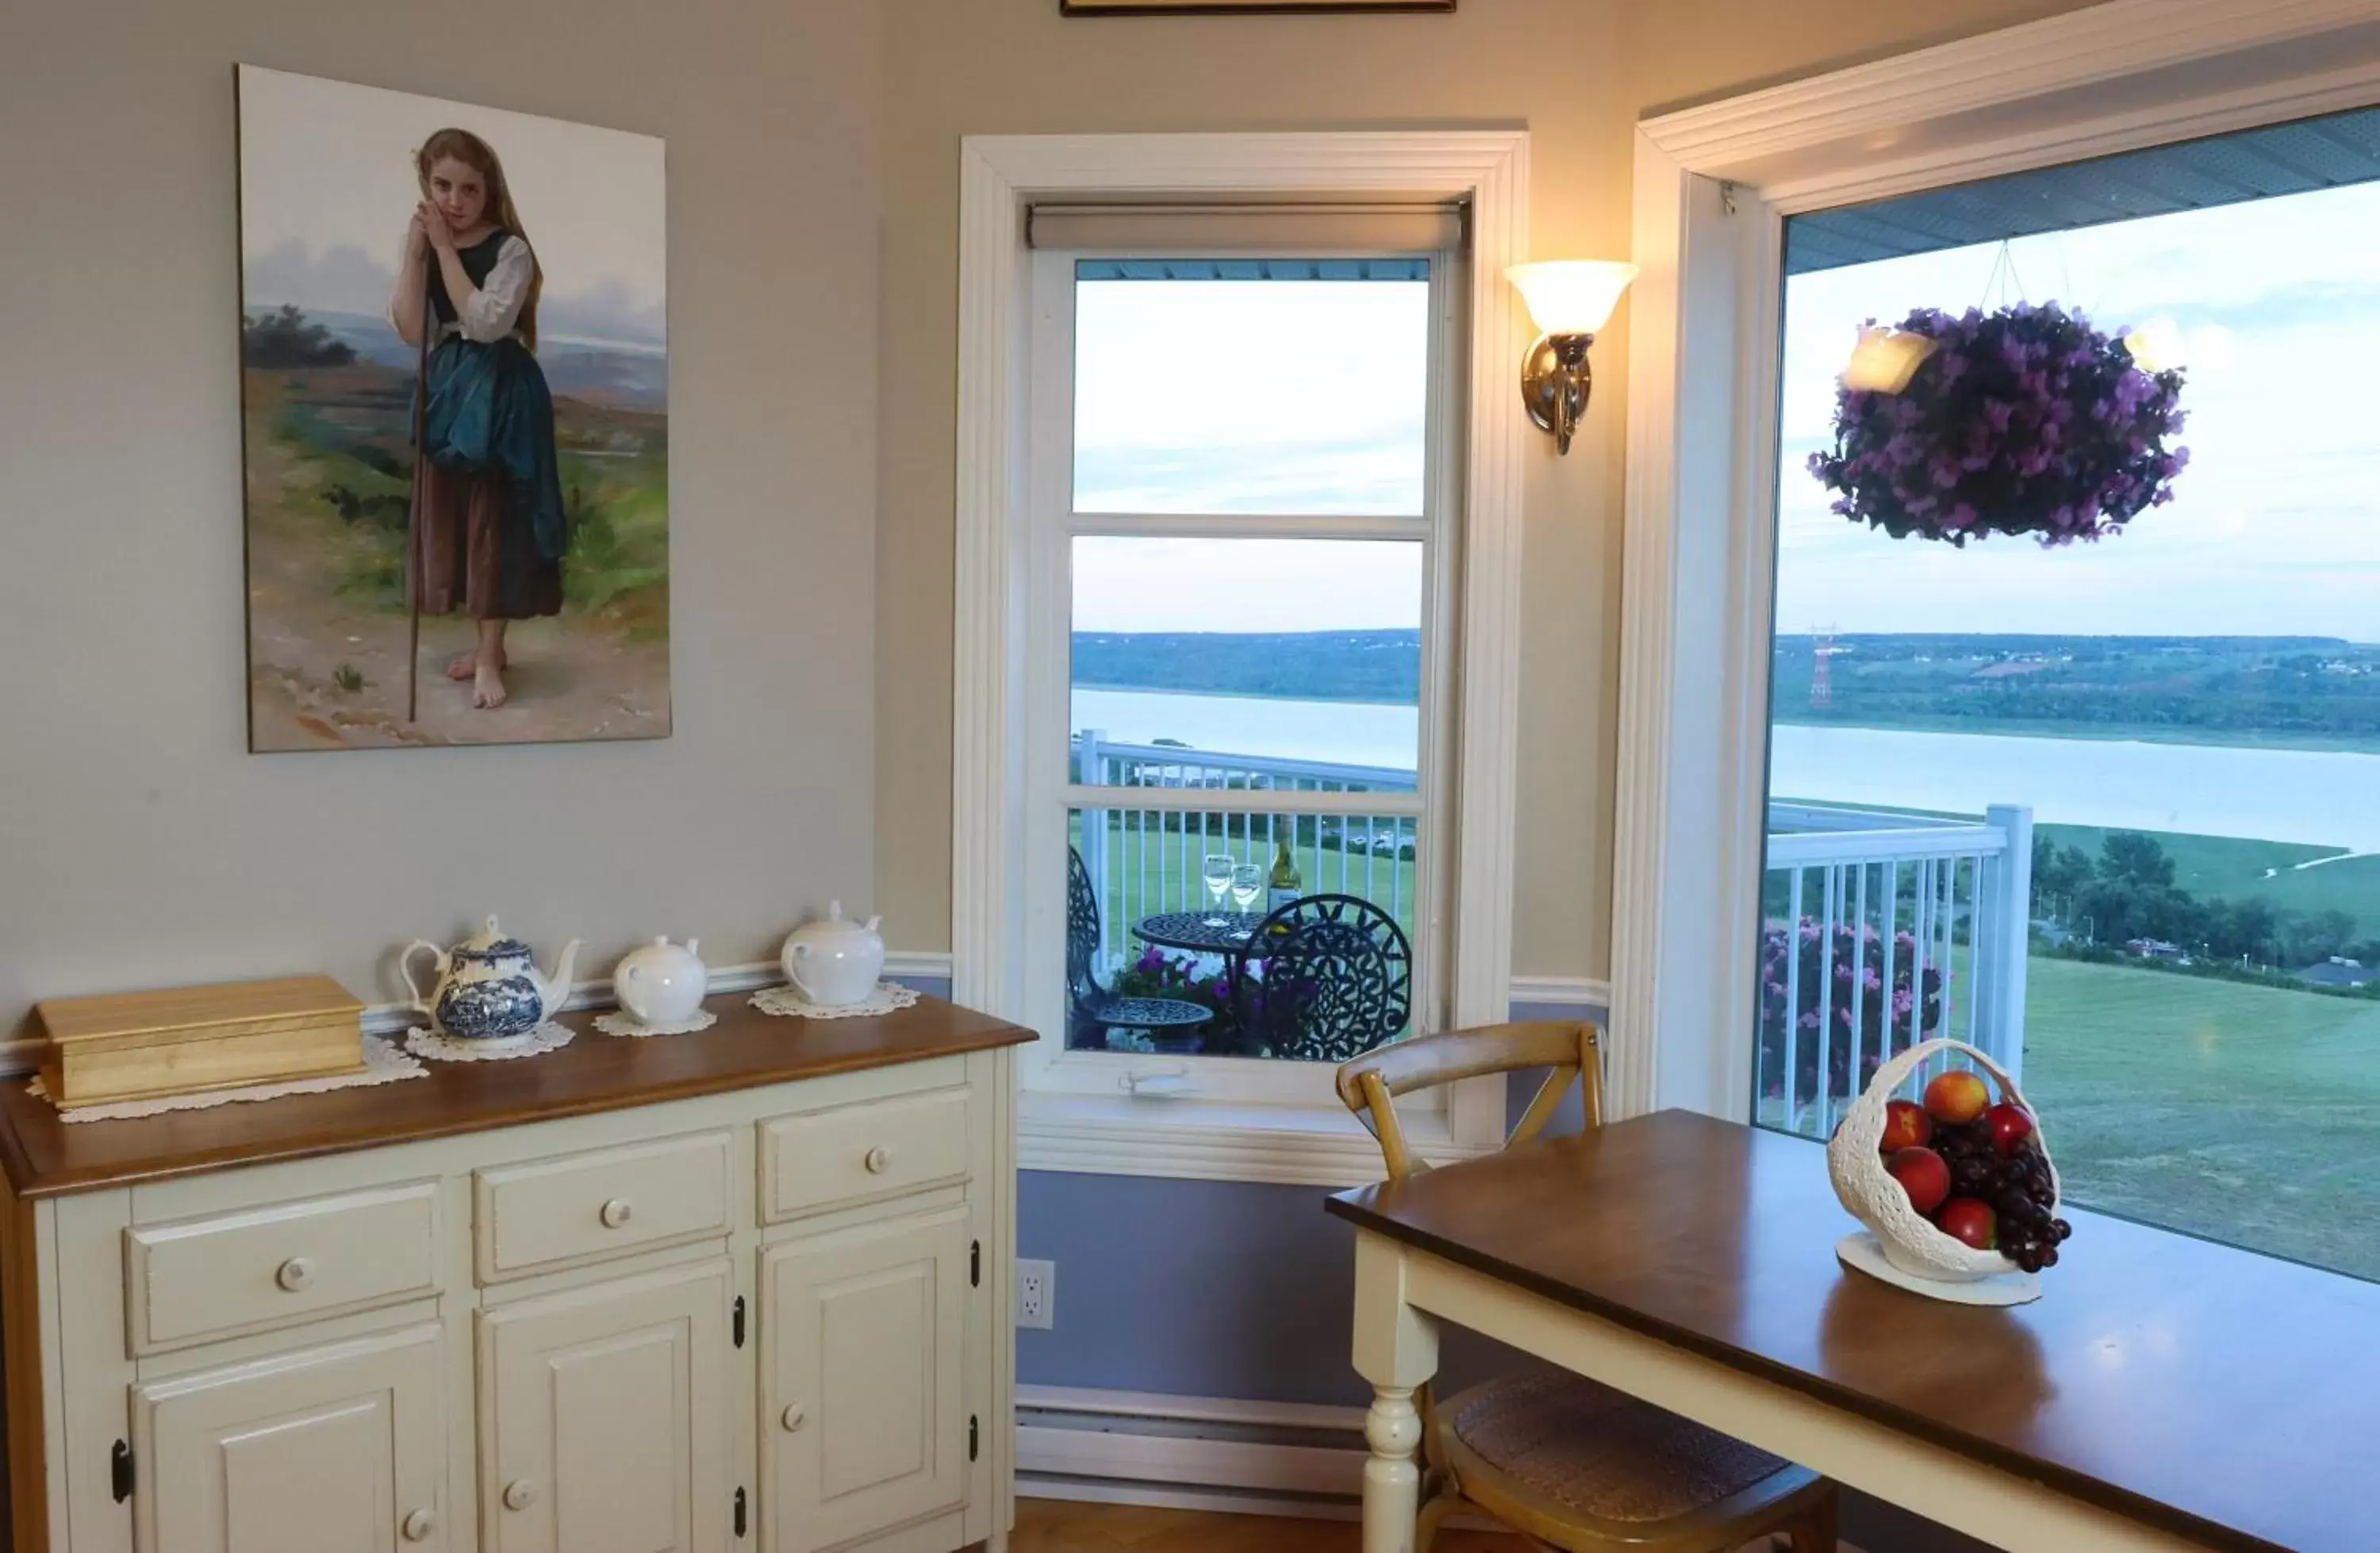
{"points": [[454, 421], [489, 531]]}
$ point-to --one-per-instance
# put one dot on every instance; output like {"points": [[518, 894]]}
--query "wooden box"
{"points": [[137, 1046]]}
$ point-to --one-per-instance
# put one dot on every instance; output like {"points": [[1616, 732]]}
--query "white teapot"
{"points": [[834, 964], [660, 984]]}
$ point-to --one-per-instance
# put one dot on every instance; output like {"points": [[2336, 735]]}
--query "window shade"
{"points": [[1248, 228]]}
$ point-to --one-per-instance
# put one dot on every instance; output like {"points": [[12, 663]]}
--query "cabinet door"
{"points": [[604, 1421], [338, 1450], [864, 1416]]}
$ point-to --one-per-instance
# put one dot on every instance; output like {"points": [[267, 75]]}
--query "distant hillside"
{"points": [[1301, 665], [628, 376], [2314, 692]]}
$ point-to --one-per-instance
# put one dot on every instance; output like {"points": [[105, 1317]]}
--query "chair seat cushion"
{"points": [[1601, 1453], [1147, 1014]]}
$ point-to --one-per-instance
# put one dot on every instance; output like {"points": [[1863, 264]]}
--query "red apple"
{"points": [[2010, 1125], [1957, 1096], [1970, 1221], [1924, 1174], [1906, 1125]]}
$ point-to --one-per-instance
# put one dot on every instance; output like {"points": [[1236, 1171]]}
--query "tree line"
{"points": [[2128, 893]]}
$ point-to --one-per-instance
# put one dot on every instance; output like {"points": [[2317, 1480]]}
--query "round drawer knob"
{"points": [[879, 1161], [296, 1274], [419, 1525], [519, 1494], [617, 1212], [794, 1418]]}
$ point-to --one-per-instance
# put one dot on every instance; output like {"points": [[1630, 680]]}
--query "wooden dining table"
{"points": [[2165, 1392]]}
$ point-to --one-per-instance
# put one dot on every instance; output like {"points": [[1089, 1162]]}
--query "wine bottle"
{"points": [[1285, 885]]}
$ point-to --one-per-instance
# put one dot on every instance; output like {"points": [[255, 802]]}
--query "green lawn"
{"points": [[2247, 1113]]}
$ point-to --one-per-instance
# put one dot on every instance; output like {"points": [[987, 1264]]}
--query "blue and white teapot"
{"points": [[487, 986]]}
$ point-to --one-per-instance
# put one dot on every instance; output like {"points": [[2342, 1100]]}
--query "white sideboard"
{"points": [[745, 1289]]}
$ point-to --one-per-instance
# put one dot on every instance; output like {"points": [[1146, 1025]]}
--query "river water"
{"points": [[2320, 798]]}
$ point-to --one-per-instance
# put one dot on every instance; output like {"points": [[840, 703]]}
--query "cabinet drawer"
{"points": [[559, 1213], [848, 1154], [276, 1265]]}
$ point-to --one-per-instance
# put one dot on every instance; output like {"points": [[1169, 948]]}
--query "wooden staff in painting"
{"points": [[413, 512]]}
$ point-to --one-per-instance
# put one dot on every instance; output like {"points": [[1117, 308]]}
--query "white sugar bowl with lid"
{"points": [[834, 964], [661, 984]]}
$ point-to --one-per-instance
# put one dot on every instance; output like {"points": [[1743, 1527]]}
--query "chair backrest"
{"points": [[1082, 931], [1337, 979], [1370, 1083]]}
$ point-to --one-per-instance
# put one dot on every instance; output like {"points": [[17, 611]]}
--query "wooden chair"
{"points": [[1570, 1464]]}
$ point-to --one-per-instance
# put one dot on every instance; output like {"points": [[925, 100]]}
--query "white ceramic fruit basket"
{"points": [[1927, 1260]]}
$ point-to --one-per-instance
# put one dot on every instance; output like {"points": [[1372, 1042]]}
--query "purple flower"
{"points": [[2024, 421]]}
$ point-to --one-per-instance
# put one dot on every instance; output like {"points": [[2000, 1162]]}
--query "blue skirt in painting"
{"points": [[489, 532]]}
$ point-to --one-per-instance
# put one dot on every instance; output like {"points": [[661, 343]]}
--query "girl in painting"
{"points": [[487, 529]]}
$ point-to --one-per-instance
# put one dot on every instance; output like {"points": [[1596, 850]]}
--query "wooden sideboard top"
{"points": [[2227, 1398], [46, 1157]]}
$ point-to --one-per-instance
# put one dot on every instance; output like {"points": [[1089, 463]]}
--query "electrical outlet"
{"points": [[1037, 1293]]}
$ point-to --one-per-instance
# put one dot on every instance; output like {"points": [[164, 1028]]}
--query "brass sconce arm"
{"points": [[1557, 382]]}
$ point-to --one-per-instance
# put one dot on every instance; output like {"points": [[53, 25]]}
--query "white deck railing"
{"points": [[1893, 929], [1146, 860]]}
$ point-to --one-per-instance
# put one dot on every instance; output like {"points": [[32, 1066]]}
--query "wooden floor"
{"points": [[1051, 1526]]}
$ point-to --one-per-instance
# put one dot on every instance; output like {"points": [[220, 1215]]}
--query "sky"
{"points": [[2275, 529], [1289, 398], [327, 186]]}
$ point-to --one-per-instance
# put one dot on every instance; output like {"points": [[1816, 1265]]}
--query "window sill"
{"points": [[1189, 1139]]}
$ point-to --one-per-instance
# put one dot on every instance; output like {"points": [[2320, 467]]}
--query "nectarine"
{"points": [[1906, 1125], [1957, 1096], [1972, 1222], [1924, 1174]]}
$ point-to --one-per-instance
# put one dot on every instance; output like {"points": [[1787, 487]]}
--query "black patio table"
{"points": [[1188, 929]]}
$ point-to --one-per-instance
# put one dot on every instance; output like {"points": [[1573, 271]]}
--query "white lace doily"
{"points": [[548, 1037], [621, 1023], [383, 1064], [788, 1004]]}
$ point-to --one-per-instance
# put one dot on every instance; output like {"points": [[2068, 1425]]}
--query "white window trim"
{"points": [[1713, 188], [1000, 175]]}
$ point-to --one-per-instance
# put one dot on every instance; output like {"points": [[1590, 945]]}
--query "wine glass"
{"points": [[1216, 871], [1247, 883]]}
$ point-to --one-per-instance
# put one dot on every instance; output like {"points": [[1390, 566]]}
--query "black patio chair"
{"points": [[1326, 978], [1091, 1008]]}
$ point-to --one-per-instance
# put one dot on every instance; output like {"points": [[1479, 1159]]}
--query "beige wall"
{"points": [[139, 844], [1576, 72]]}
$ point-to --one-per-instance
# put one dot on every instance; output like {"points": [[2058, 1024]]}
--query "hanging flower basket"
{"points": [[2026, 420]]}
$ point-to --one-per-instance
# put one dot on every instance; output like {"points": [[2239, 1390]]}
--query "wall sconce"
{"points": [[1571, 299]]}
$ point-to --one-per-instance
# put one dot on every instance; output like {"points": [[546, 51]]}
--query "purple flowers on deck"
{"points": [[2026, 420], [1821, 969]]}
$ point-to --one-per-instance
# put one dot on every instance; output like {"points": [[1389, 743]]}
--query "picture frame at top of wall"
{"points": [[1242, 7]]}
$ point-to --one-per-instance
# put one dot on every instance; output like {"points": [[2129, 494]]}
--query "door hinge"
{"points": [[975, 1263], [739, 1513], [739, 1320], [119, 1471], [972, 1440]]}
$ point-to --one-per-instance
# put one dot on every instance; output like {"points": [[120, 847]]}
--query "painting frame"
{"points": [[1251, 8], [341, 524]]}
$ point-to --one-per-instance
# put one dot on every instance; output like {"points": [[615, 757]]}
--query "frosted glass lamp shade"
{"points": [[1571, 296]]}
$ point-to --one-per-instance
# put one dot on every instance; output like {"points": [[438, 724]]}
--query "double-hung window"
{"points": [[1245, 513], [1239, 525]]}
